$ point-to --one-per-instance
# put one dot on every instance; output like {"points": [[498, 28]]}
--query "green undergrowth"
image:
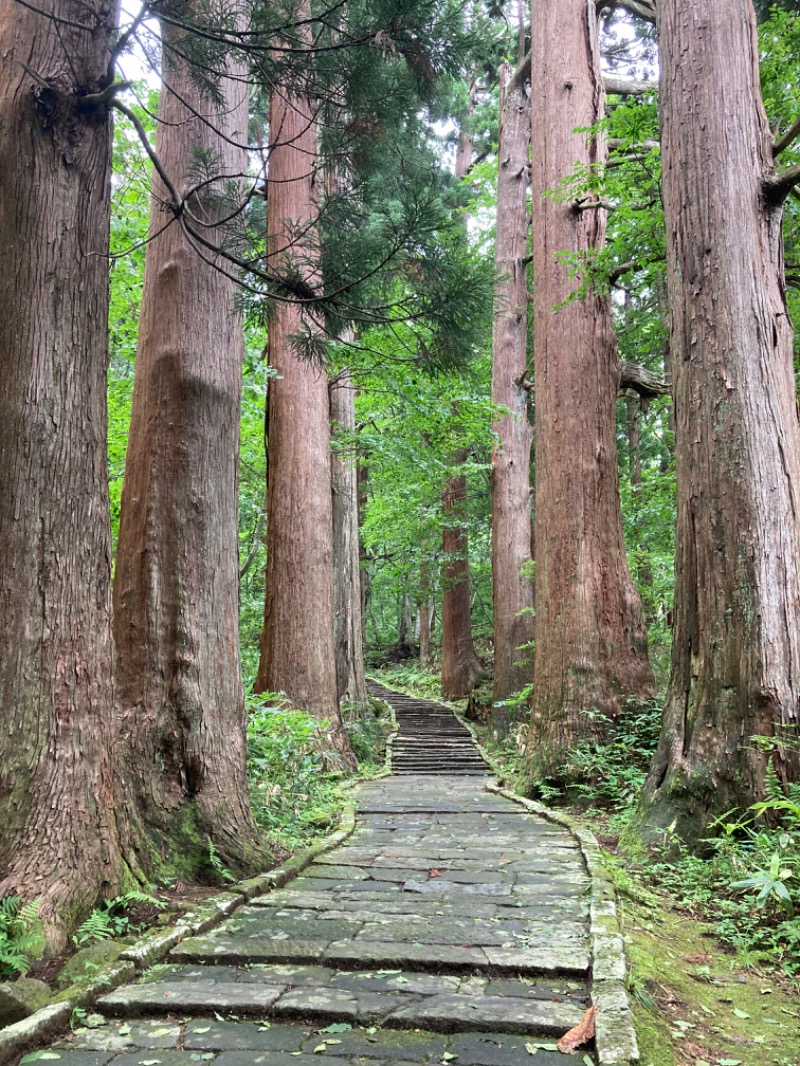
{"points": [[412, 677], [298, 784], [693, 1002]]}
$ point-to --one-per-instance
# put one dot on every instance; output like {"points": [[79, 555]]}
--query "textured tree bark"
{"points": [[591, 645], [461, 667], [176, 582], [59, 841], [512, 593], [297, 647], [364, 578], [348, 640], [736, 649]]}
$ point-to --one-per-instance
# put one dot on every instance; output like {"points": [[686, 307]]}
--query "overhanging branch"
{"points": [[641, 380], [788, 138], [643, 9], [780, 186], [628, 86]]}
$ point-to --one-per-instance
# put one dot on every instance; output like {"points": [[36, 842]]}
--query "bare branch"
{"points": [[643, 9], [641, 380], [628, 86], [788, 138], [778, 187]]}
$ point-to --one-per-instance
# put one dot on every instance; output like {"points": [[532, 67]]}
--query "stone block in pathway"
{"points": [[450, 928]]}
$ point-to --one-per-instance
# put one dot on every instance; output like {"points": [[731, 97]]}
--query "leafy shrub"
{"points": [[21, 939], [291, 769]]}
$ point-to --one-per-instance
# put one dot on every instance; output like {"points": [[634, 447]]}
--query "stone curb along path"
{"points": [[454, 924]]}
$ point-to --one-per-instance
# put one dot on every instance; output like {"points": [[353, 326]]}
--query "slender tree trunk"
{"points": [[176, 582], [424, 609], [364, 579], [348, 626], [591, 645], [59, 842], [736, 649], [297, 646], [512, 592], [461, 667]]}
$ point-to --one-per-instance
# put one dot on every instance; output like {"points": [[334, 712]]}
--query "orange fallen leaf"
{"points": [[434, 873], [581, 1034]]}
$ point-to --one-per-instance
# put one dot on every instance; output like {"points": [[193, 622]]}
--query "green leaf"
{"points": [[320, 1048], [201, 1029], [338, 1027], [740, 1013], [730, 1062]]}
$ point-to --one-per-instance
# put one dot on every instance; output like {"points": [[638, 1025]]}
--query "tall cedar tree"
{"points": [[176, 581], [297, 645], [59, 841], [591, 645], [736, 646], [348, 642], [512, 590], [461, 666]]}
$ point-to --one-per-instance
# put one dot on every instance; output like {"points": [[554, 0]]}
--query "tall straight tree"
{"points": [[512, 591], [461, 666], [176, 583], [58, 837], [736, 646], [591, 645], [297, 645], [348, 642]]}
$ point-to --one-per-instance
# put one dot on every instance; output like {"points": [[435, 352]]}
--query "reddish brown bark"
{"points": [[297, 649], [461, 667], [58, 842], [512, 593], [591, 645], [736, 650], [348, 640], [176, 583]]}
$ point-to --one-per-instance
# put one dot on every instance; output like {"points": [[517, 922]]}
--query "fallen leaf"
{"points": [[337, 1027], [581, 1034], [740, 1013], [434, 873]]}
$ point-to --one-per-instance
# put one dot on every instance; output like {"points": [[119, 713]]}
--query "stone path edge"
{"points": [[26, 1035], [615, 1036]]}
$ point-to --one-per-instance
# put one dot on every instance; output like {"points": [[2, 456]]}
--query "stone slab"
{"points": [[446, 1013], [188, 997]]}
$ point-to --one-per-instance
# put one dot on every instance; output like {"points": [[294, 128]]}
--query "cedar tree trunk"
{"points": [[591, 644], [736, 648], [512, 593], [461, 667], [297, 644], [59, 841], [348, 640], [176, 583]]}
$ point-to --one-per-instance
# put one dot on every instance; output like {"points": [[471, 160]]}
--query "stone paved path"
{"points": [[450, 928]]}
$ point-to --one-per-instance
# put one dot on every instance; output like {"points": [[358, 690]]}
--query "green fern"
{"points": [[21, 939], [109, 920]]}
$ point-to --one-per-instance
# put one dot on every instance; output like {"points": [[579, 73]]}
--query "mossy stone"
{"points": [[88, 962], [20, 998]]}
